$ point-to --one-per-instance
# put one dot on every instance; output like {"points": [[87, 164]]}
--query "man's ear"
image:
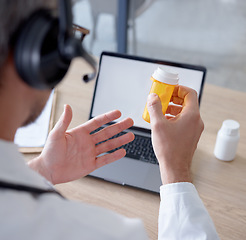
{"points": [[8, 72]]}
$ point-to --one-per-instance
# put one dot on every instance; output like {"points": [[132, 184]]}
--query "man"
{"points": [[30, 209]]}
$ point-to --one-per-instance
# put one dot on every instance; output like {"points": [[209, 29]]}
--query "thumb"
{"points": [[64, 120], [154, 107]]}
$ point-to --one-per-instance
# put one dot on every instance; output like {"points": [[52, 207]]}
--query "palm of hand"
{"points": [[69, 155]]}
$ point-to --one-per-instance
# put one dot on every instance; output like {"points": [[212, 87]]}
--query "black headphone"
{"points": [[45, 46]]}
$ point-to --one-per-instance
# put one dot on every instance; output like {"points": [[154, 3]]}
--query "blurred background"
{"points": [[211, 33]]}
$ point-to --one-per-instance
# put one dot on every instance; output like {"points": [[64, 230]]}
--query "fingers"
{"points": [[114, 143], [100, 120], [110, 157], [64, 120], [112, 130], [154, 108], [184, 96], [174, 109]]}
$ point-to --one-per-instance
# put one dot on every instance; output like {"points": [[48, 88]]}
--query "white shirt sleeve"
{"points": [[182, 214]]}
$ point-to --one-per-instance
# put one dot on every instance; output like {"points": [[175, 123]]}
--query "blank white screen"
{"points": [[124, 84]]}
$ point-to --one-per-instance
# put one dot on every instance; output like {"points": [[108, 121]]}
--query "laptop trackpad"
{"points": [[123, 171], [131, 172]]}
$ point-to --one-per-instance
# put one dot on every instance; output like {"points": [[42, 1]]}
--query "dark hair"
{"points": [[12, 14]]}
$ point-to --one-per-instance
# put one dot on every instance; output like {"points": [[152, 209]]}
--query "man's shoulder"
{"points": [[53, 217]]}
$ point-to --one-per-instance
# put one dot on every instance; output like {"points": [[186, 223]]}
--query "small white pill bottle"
{"points": [[227, 140]]}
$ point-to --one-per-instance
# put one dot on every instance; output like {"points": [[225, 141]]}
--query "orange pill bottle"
{"points": [[164, 82]]}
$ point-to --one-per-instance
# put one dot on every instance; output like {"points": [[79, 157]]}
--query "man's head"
{"points": [[36, 49], [20, 102], [12, 14]]}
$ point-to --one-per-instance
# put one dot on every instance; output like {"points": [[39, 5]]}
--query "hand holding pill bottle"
{"points": [[163, 85]]}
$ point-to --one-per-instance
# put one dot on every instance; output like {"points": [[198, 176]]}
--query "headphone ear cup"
{"points": [[37, 57]]}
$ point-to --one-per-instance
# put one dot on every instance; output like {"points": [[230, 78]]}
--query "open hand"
{"points": [[72, 154]]}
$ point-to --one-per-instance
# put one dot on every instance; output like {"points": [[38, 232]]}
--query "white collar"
{"points": [[13, 168]]}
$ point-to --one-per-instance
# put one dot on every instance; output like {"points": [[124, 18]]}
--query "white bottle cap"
{"points": [[166, 76], [230, 127]]}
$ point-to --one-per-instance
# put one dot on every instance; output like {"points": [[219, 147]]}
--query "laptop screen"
{"points": [[123, 83]]}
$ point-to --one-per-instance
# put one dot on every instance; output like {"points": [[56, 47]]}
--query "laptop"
{"points": [[123, 83]]}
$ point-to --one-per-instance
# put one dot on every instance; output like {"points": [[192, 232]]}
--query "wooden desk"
{"points": [[222, 185]]}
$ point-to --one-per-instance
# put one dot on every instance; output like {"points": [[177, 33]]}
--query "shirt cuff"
{"points": [[177, 188]]}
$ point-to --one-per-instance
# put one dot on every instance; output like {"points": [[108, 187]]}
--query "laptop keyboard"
{"points": [[139, 149]]}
